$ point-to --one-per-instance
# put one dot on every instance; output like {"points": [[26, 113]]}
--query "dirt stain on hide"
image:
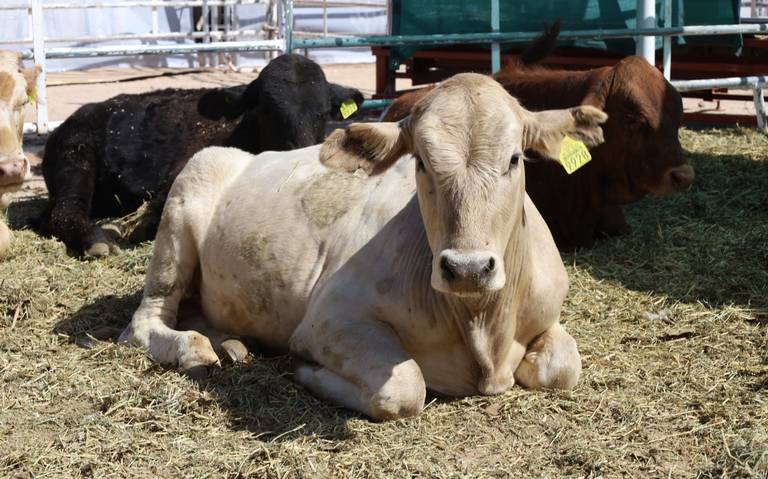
{"points": [[329, 196], [260, 254]]}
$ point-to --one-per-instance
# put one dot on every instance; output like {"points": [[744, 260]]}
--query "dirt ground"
{"points": [[671, 322]]}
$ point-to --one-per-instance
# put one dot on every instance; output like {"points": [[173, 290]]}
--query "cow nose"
{"points": [[681, 177], [457, 267]]}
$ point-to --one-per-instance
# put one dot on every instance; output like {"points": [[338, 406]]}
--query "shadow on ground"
{"points": [[259, 394], [709, 244]]}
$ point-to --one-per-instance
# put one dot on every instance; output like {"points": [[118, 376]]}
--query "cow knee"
{"points": [[402, 395], [552, 361]]}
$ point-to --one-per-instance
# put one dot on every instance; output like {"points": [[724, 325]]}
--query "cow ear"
{"points": [[544, 131], [340, 101], [371, 147], [30, 76]]}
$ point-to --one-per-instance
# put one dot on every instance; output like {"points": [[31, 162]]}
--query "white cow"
{"points": [[428, 267], [16, 86]]}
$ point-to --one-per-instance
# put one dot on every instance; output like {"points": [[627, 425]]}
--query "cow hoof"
{"points": [[197, 351], [234, 350], [97, 250]]}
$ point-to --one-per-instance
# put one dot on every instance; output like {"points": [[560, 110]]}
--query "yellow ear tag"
{"points": [[573, 154], [348, 107], [32, 97]]}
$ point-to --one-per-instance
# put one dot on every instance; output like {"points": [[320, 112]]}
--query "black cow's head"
{"points": [[286, 107]]}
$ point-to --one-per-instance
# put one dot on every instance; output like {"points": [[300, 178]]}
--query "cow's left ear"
{"points": [[30, 76], [371, 147], [544, 131], [341, 99]]}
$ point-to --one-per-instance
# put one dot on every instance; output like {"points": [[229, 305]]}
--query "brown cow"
{"points": [[16, 87], [641, 153]]}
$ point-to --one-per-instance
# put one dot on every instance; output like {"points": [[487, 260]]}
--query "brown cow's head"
{"points": [[468, 136], [646, 114], [16, 87]]}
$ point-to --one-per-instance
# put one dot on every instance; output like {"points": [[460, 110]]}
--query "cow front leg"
{"points": [[170, 272], [552, 360], [5, 237], [71, 180], [361, 366]]}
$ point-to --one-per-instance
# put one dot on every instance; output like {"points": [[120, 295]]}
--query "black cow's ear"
{"points": [[218, 104], [339, 95]]}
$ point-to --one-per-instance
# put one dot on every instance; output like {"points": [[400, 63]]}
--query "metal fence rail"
{"points": [[288, 42]]}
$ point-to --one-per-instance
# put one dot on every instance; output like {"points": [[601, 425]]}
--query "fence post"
{"points": [[495, 47], [760, 107], [646, 18], [667, 52], [288, 26], [38, 47]]}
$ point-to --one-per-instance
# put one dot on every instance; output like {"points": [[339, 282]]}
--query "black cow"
{"points": [[108, 158]]}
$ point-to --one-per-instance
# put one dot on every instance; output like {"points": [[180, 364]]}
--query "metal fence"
{"points": [[221, 35], [287, 40]]}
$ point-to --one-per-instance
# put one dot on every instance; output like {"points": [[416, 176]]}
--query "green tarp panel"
{"points": [[419, 17]]}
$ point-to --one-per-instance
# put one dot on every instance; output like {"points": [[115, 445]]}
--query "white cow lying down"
{"points": [[436, 271]]}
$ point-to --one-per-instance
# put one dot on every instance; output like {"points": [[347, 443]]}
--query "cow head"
{"points": [[286, 107], [468, 137], [16, 87], [646, 114]]}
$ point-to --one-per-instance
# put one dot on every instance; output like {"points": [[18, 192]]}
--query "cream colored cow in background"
{"points": [[16, 86], [436, 271]]}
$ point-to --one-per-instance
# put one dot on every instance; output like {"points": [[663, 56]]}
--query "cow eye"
{"points": [[513, 161]]}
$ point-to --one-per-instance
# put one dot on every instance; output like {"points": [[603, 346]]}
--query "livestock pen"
{"points": [[671, 321]]}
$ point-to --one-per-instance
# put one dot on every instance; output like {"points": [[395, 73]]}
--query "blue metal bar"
{"points": [[666, 62], [469, 38], [390, 40], [289, 45], [495, 47], [375, 104]]}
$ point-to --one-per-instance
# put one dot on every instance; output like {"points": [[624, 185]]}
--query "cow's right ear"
{"points": [[30, 76], [371, 147], [544, 130]]}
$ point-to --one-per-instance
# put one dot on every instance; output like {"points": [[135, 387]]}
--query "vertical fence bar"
{"points": [[495, 47], [288, 26], [155, 21], [646, 18], [667, 58], [206, 25], [325, 18], [760, 107], [38, 47]]}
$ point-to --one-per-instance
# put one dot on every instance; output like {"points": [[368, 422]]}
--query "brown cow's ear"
{"points": [[371, 147], [30, 76], [544, 131]]}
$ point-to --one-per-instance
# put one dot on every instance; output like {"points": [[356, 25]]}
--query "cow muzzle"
{"points": [[13, 172], [676, 180], [468, 273]]}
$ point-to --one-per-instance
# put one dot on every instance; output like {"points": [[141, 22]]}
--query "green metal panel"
{"points": [[419, 17]]}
